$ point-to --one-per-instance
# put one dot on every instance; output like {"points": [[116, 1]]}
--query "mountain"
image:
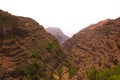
{"points": [[96, 46], [57, 33], [27, 51]]}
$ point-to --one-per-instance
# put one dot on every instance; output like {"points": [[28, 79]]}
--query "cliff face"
{"points": [[97, 46], [57, 33], [27, 51]]}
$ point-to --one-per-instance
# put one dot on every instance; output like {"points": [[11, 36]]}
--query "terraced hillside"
{"points": [[97, 46], [27, 51]]}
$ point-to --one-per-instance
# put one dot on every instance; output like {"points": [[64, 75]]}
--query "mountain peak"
{"points": [[57, 33]]}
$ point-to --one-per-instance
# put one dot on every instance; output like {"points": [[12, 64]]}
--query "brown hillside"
{"points": [[97, 46], [27, 51]]}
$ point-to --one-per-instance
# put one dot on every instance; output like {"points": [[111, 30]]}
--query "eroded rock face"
{"points": [[97, 46], [27, 51], [58, 34]]}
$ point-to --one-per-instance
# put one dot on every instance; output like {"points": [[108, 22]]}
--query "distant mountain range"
{"points": [[57, 33]]}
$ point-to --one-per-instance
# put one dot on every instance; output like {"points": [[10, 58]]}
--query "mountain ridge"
{"points": [[57, 33], [96, 46], [26, 50]]}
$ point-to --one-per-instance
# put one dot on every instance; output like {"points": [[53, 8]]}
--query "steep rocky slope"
{"points": [[97, 46], [57, 33], [27, 51]]}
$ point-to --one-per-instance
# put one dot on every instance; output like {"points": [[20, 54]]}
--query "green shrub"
{"points": [[116, 77], [73, 71], [31, 72], [36, 54], [52, 46], [93, 74], [106, 74]]}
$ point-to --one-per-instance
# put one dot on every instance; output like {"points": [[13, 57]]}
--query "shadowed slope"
{"points": [[27, 51]]}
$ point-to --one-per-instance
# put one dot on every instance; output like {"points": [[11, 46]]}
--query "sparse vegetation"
{"points": [[73, 71], [31, 72], [28, 52], [92, 74], [52, 46], [36, 55], [98, 45], [72, 68], [105, 74], [7, 20]]}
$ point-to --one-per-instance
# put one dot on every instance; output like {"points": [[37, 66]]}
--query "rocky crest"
{"points": [[97, 46], [57, 33]]}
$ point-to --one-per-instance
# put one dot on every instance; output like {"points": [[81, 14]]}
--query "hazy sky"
{"points": [[70, 15]]}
